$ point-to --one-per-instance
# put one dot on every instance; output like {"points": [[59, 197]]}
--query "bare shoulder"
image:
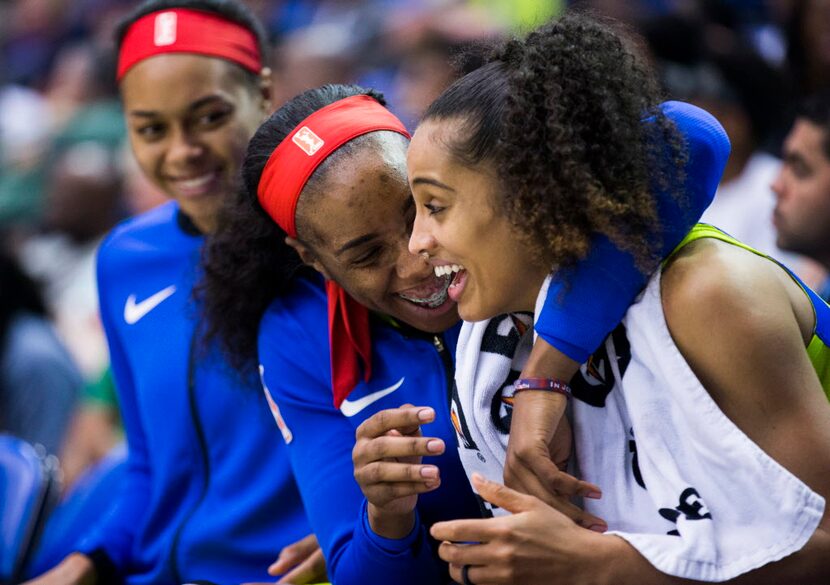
{"points": [[711, 279], [741, 322]]}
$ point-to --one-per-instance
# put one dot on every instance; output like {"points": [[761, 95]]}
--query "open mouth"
{"points": [[431, 296], [458, 277]]}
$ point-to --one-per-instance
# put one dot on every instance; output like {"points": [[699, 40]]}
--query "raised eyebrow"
{"points": [[433, 182], [355, 243]]}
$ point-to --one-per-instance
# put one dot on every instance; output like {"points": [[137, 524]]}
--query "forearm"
{"points": [[546, 361], [390, 525]]}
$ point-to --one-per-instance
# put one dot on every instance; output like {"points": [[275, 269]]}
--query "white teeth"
{"points": [[445, 269], [433, 301], [197, 182]]}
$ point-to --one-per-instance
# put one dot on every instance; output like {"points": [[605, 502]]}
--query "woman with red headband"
{"points": [[325, 195], [209, 492]]}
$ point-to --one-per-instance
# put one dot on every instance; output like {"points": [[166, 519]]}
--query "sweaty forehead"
{"points": [[365, 191], [172, 81]]}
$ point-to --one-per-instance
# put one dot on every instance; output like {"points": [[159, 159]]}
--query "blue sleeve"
{"points": [[297, 377], [115, 533], [585, 303]]}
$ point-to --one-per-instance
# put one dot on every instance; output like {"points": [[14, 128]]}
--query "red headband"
{"points": [[315, 138], [181, 30], [283, 179]]}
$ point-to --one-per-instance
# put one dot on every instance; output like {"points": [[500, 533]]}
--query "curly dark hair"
{"points": [[246, 262], [559, 115]]}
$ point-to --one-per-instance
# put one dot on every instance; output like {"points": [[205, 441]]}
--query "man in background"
{"points": [[802, 187]]}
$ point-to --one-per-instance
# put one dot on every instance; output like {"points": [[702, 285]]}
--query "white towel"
{"points": [[681, 483], [489, 356]]}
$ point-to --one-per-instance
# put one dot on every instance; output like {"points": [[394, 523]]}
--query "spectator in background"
{"points": [[716, 70], [39, 383], [802, 188], [808, 48], [426, 50], [82, 202], [24, 136]]}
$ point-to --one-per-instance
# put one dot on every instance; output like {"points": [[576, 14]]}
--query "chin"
{"points": [[427, 320], [473, 314]]}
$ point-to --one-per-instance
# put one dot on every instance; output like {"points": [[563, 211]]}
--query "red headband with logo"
{"points": [[285, 174], [181, 30]]}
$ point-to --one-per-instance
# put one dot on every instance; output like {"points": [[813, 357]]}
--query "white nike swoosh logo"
{"points": [[133, 311], [351, 408]]}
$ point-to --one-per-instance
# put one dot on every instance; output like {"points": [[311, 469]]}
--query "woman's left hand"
{"points": [[300, 562], [537, 544]]}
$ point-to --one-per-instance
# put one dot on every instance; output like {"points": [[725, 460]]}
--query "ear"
{"points": [[265, 80], [308, 256]]}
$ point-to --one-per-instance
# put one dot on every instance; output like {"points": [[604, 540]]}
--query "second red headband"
{"points": [[292, 163]]}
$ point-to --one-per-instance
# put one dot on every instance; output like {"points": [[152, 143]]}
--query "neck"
{"points": [[533, 288]]}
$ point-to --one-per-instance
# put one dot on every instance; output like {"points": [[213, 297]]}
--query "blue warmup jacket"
{"points": [[209, 492], [578, 314], [407, 367]]}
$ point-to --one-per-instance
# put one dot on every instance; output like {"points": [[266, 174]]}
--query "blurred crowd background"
{"points": [[66, 175]]}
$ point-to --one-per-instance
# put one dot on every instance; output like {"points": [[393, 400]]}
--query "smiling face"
{"points": [[189, 119], [459, 225], [355, 230], [802, 189]]}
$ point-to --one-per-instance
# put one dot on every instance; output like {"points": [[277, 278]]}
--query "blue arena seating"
{"points": [[29, 488]]}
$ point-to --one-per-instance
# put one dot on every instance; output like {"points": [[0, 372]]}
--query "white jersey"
{"points": [[681, 483]]}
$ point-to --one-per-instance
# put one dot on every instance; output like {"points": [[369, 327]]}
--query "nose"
{"points": [[777, 185], [411, 266], [184, 148], [421, 240]]}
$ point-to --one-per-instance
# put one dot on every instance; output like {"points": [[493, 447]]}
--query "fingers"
{"points": [[466, 554], [482, 530], [526, 482], [389, 447], [294, 554], [382, 472], [477, 575], [533, 468], [503, 496], [403, 418], [382, 494], [311, 570]]}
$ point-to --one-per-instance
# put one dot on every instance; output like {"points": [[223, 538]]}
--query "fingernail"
{"points": [[598, 527], [430, 472], [431, 484], [435, 445], [426, 414], [594, 495]]}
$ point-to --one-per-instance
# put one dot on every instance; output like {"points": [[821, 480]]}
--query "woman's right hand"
{"points": [[538, 451], [387, 458]]}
